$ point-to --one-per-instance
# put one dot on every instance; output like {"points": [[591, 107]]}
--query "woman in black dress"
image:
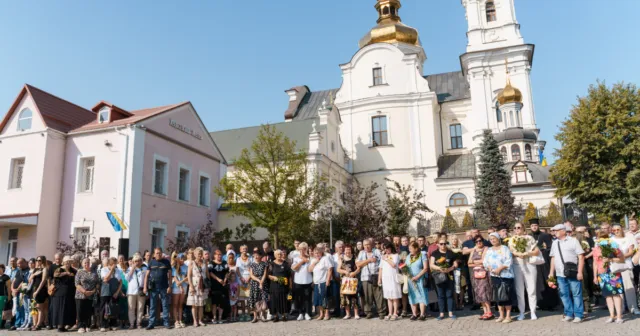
{"points": [[279, 274], [38, 281], [219, 293], [62, 301], [259, 294]]}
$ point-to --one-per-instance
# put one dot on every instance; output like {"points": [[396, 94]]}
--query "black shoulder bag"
{"points": [[570, 269]]}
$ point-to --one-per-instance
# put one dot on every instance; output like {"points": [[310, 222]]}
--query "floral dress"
{"points": [[258, 294], [417, 292], [481, 286], [610, 283]]}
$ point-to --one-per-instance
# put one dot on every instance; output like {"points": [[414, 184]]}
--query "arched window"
{"points": [[385, 11], [503, 151], [24, 120], [458, 199], [491, 11], [393, 10], [103, 115], [527, 152], [515, 152], [498, 112]]}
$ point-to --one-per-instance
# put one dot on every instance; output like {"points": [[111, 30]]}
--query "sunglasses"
{"points": [[38, 260], [518, 227], [479, 241], [442, 244]]}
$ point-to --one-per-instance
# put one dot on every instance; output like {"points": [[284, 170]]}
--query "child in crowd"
{"points": [[234, 286]]}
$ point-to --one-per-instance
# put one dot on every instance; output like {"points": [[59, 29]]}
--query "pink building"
{"points": [[65, 167]]}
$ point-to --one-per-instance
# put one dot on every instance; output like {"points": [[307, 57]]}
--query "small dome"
{"points": [[509, 94], [390, 28]]}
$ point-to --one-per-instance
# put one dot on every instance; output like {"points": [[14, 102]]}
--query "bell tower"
{"points": [[491, 24]]}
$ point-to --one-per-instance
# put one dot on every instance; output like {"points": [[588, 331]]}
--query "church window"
{"points": [[511, 121], [455, 131], [521, 174], [517, 118], [393, 10], [503, 151], [377, 76], [385, 11], [527, 152], [458, 199], [498, 112], [506, 121], [515, 152], [491, 11], [379, 128]]}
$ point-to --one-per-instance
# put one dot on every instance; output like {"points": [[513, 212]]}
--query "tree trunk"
{"points": [[275, 239]]}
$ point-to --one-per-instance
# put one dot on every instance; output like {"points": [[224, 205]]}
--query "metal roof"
{"points": [[456, 166], [515, 133]]}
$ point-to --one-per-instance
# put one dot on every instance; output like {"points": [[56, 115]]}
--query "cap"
{"points": [[559, 227], [495, 234], [534, 221]]}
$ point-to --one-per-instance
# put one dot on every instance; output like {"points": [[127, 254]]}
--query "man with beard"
{"points": [[547, 296]]}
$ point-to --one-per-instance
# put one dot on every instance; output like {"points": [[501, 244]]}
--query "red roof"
{"points": [[68, 117]]}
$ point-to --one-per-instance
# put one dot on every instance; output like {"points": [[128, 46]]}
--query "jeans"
{"points": [[445, 295], [571, 296], [23, 318], [335, 294], [164, 298]]}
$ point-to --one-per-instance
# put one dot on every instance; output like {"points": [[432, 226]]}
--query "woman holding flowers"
{"points": [[479, 278], [522, 247], [417, 267], [627, 245], [497, 261], [442, 264], [348, 269], [606, 252], [279, 274], [388, 278]]}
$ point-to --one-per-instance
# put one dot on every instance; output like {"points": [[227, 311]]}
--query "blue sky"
{"points": [[234, 59]]}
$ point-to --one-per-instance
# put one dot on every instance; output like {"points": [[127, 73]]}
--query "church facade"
{"points": [[390, 121]]}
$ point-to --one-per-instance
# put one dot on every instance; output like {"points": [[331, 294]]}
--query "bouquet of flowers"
{"points": [[442, 263], [585, 246], [283, 281], [33, 311], [519, 244], [404, 269], [553, 282], [609, 249]]}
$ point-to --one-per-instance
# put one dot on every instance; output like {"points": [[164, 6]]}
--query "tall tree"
{"points": [[597, 164], [467, 221], [272, 185], [553, 216], [494, 202], [529, 213], [403, 204], [449, 224]]}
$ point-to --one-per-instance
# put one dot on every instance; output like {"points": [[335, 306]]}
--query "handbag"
{"points": [[479, 273], [244, 291], [440, 278], [7, 315], [349, 286], [570, 269], [618, 267], [537, 260], [400, 278], [501, 291]]}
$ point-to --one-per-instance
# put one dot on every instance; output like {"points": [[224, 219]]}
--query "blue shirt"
{"points": [[158, 273], [180, 275]]}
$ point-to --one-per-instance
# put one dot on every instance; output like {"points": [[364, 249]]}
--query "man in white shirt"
{"points": [[567, 251], [369, 262]]}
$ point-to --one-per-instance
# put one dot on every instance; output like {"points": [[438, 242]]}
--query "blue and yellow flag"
{"points": [[116, 222]]}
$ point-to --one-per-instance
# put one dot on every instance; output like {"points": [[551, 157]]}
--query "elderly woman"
{"points": [[610, 282], [86, 284], [196, 274], [62, 306], [279, 274], [627, 246], [302, 282], [243, 263], [110, 291], [218, 270], [525, 273], [259, 294], [442, 264], [348, 269], [135, 291], [479, 279], [418, 267], [322, 268], [497, 261], [460, 282]]}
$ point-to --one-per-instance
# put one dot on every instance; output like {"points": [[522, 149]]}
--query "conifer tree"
{"points": [[529, 213], [467, 221], [449, 224]]}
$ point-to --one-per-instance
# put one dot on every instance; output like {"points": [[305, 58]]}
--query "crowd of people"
{"points": [[504, 274]]}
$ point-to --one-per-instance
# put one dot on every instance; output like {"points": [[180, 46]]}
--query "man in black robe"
{"points": [[547, 297]]}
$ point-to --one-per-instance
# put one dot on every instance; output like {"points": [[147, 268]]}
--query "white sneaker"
{"points": [[307, 317], [81, 331], [567, 319], [577, 320], [619, 321], [521, 317], [300, 317], [609, 320], [636, 312], [269, 315], [534, 316]]}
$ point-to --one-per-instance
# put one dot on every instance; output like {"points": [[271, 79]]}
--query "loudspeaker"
{"points": [[123, 247]]}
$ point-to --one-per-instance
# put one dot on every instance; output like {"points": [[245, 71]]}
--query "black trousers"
{"points": [[84, 310], [110, 322], [302, 297]]}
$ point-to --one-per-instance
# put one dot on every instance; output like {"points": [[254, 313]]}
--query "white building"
{"points": [[390, 120]]}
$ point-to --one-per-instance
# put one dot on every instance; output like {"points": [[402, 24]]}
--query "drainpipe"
{"points": [[441, 137], [124, 177]]}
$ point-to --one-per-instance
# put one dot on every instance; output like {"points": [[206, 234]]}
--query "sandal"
{"points": [[357, 317], [346, 317], [393, 317]]}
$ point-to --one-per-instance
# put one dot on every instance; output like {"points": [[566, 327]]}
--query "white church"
{"points": [[389, 120]]}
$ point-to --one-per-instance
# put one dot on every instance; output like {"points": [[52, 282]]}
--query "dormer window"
{"points": [[24, 120], [491, 11], [103, 115]]}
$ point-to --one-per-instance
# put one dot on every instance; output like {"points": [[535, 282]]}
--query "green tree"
{"points": [[221, 237], [494, 202], [467, 221], [449, 224], [272, 185], [597, 164], [553, 216], [529, 213], [245, 232], [403, 205]]}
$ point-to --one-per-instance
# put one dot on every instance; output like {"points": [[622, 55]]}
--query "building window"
{"points": [[521, 174], [511, 121], [203, 198], [455, 131], [515, 152], [506, 121], [103, 115], [81, 235], [527, 153], [159, 183], [24, 120], [183, 185], [377, 76], [518, 118], [86, 183], [104, 244], [458, 199], [182, 237], [17, 172], [498, 112], [503, 151], [157, 238], [380, 134], [491, 11], [12, 245]]}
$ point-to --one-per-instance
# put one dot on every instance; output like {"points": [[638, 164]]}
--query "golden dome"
{"points": [[390, 28], [509, 94]]}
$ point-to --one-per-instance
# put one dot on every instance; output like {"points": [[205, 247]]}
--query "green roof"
{"points": [[232, 142]]}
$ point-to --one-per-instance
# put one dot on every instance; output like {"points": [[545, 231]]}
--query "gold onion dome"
{"points": [[390, 28], [509, 94]]}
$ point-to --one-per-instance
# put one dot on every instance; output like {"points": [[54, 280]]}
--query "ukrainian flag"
{"points": [[116, 222]]}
